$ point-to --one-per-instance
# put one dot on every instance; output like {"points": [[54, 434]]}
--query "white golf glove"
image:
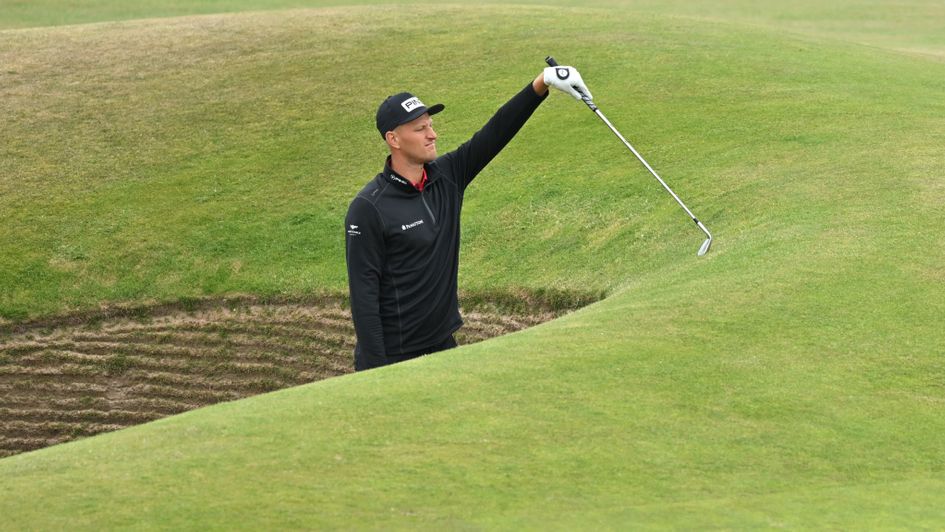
{"points": [[567, 79]]}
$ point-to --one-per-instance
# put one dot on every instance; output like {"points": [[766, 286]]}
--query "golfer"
{"points": [[402, 243]]}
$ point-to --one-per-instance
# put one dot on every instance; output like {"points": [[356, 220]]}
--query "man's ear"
{"points": [[392, 139]]}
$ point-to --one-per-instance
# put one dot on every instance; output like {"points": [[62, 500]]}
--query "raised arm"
{"points": [[471, 157]]}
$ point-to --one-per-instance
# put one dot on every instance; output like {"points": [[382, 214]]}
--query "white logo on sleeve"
{"points": [[353, 230], [411, 104], [411, 225]]}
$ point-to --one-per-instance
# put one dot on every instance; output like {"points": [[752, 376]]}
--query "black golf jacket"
{"points": [[402, 245]]}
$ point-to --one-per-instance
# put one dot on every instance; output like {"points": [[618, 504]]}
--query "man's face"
{"points": [[415, 139]]}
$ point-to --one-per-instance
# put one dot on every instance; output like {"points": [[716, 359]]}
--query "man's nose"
{"points": [[431, 134]]}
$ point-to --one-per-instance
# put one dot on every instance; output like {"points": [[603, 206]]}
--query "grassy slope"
{"points": [[913, 25], [109, 192], [789, 378], [212, 164]]}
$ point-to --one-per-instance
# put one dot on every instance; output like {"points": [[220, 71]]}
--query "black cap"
{"points": [[400, 109]]}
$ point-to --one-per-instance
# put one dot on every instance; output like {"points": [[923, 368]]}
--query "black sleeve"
{"points": [[469, 159], [364, 254]]}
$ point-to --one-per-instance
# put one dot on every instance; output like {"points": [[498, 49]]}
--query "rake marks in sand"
{"points": [[82, 376]]}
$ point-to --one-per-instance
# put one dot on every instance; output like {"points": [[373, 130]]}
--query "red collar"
{"points": [[423, 181], [389, 170]]}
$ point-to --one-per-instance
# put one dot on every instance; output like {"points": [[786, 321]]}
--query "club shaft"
{"points": [[590, 104], [650, 168]]}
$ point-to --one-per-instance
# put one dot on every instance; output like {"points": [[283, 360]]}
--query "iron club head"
{"points": [[705, 246], [708, 241]]}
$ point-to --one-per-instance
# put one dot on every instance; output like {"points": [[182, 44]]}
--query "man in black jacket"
{"points": [[402, 245]]}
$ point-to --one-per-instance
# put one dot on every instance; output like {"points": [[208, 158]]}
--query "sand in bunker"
{"points": [[79, 375]]}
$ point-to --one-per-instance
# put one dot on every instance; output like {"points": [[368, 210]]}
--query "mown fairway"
{"points": [[792, 377]]}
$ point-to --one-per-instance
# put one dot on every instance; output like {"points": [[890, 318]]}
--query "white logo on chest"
{"points": [[411, 225]]}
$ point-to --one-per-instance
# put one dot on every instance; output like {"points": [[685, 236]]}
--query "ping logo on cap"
{"points": [[411, 104]]}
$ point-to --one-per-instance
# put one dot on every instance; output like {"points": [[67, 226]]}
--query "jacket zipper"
{"points": [[423, 199]]}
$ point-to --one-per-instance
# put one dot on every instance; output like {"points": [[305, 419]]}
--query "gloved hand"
{"points": [[567, 79]]}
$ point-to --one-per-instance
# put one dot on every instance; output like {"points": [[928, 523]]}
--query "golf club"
{"points": [[590, 104]]}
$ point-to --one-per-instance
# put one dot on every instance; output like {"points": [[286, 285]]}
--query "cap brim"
{"points": [[432, 110]]}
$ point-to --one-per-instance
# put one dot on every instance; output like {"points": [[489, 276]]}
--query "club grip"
{"points": [[590, 104]]}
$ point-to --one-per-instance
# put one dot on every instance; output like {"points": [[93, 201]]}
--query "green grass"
{"points": [[792, 377], [908, 25], [204, 176]]}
